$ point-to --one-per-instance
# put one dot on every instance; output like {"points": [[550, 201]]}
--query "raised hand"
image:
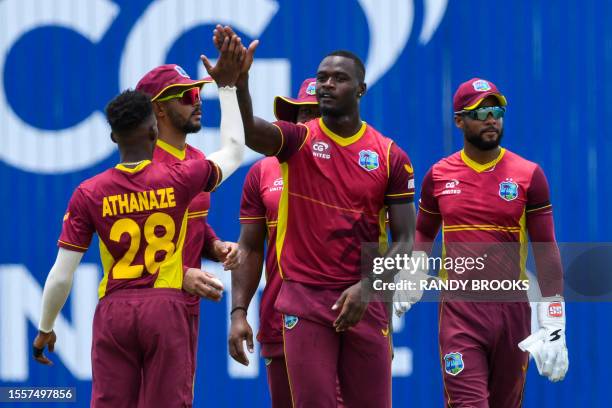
{"points": [[229, 64], [220, 34]]}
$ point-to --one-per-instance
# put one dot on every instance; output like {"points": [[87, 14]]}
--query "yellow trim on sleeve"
{"points": [[72, 245], [168, 148], [305, 137], [252, 218], [427, 211], [133, 170], [539, 208], [524, 249], [400, 194], [479, 168], [282, 139], [343, 141]]}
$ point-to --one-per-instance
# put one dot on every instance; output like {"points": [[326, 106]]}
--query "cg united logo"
{"points": [[108, 45]]}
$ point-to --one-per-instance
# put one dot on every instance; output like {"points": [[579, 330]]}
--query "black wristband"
{"points": [[239, 308]]}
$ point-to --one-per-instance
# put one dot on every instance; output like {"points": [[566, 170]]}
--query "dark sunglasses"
{"points": [[483, 113], [188, 97]]}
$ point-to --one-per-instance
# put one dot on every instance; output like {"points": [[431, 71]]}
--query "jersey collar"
{"points": [[168, 148], [343, 141], [479, 168], [133, 170]]}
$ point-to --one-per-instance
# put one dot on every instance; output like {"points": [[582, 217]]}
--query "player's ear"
{"points": [[362, 89], [112, 136], [158, 109], [459, 121]]}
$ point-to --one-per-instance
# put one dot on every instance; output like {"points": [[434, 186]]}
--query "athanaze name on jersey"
{"points": [[141, 201]]}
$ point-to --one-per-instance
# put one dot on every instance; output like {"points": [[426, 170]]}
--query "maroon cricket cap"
{"points": [[156, 81], [471, 93], [286, 108]]}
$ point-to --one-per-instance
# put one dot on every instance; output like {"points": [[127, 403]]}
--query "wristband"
{"points": [[239, 308]]}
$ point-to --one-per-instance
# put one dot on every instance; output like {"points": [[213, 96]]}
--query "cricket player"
{"points": [[178, 109], [340, 176], [487, 194], [258, 218], [142, 325]]}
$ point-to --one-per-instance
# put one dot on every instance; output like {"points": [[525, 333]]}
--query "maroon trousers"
{"points": [[318, 357], [143, 338], [482, 365]]}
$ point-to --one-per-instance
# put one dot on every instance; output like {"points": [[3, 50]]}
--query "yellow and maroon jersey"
{"points": [[261, 193], [140, 216], [486, 203], [334, 199], [199, 233]]}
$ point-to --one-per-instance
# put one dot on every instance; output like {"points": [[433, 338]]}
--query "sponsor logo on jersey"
{"points": [[321, 150], [452, 184], [451, 187], [368, 160], [311, 89], [508, 190], [277, 185], [291, 321], [410, 184], [453, 363], [555, 309], [481, 85]]}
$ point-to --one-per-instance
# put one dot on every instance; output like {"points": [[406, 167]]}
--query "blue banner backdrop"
{"points": [[62, 61]]}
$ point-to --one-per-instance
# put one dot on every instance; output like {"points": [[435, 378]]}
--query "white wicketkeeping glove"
{"points": [[404, 299], [547, 345]]}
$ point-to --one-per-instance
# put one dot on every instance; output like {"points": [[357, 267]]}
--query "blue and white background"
{"points": [[63, 60]]}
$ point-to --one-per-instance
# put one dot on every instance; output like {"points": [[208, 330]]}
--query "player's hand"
{"points": [[228, 67], [203, 284], [547, 345], [38, 346], [220, 34], [405, 298], [240, 331], [352, 306], [229, 253]]}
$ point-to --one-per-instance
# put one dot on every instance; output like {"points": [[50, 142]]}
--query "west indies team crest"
{"points": [[453, 363], [312, 88], [508, 190], [290, 321], [368, 160]]}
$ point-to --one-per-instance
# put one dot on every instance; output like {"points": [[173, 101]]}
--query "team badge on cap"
{"points": [[181, 71], [311, 89], [368, 160], [453, 363], [481, 85], [291, 321], [508, 190]]}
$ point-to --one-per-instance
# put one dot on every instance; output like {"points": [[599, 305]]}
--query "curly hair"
{"points": [[128, 110]]}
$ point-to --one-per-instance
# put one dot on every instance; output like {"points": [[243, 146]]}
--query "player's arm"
{"points": [[246, 277], [56, 291], [547, 345], [245, 280], [429, 219], [229, 157], [261, 135]]}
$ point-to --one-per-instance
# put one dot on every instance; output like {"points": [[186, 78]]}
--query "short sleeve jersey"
{"points": [[198, 208], [261, 193], [486, 203], [140, 216], [335, 195]]}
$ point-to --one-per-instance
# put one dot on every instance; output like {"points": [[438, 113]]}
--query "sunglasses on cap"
{"points": [[483, 113], [188, 97]]}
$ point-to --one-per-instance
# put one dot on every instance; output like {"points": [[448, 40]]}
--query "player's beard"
{"points": [[185, 125], [477, 140]]}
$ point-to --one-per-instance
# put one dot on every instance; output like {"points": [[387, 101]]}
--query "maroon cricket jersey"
{"points": [[140, 216], [198, 209], [261, 193], [334, 199], [486, 203]]}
